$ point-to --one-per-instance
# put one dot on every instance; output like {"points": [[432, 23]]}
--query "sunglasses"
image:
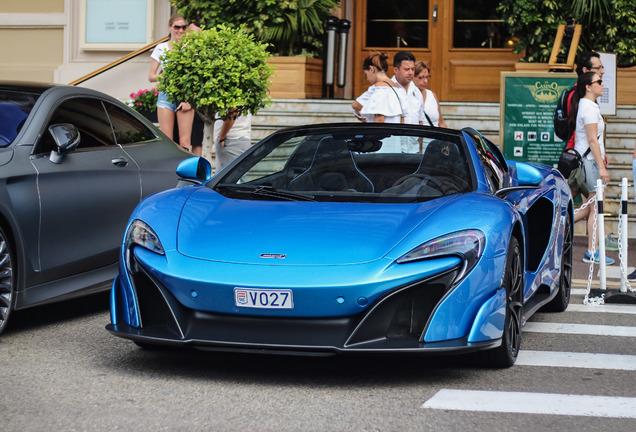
{"points": [[597, 81], [179, 27]]}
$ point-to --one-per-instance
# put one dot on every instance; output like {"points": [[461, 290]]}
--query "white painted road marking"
{"points": [[577, 360], [607, 308], [533, 403], [585, 329]]}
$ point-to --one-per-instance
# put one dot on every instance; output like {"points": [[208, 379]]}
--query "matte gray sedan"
{"points": [[74, 163]]}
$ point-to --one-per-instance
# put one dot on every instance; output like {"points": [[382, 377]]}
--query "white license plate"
{"points": [[263, 298]]}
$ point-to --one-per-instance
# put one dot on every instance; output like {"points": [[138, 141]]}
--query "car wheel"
{"points": [[6, 280], [505, 355], [562, 299]]}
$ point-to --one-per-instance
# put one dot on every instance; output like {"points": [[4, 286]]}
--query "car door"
{"points": [[156, 157], [86, 199]]}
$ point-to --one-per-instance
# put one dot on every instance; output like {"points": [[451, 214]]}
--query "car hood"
{"points": [[216, 228]]}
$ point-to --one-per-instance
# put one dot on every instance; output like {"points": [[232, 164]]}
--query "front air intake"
{"points": [[402, 315]]}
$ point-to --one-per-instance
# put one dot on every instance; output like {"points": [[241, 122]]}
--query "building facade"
{"points": [[463, 43]]}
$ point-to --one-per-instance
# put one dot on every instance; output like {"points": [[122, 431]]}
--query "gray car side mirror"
{"points": [[66, 137]]}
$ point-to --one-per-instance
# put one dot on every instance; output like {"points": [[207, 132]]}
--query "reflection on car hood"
{"points": [[213, 227]]}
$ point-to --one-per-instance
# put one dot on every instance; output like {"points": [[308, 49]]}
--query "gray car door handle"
{"points": [[122, 162]]}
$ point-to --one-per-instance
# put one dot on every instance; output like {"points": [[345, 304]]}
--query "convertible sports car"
{"points": [[349, 238], [74, 163]]}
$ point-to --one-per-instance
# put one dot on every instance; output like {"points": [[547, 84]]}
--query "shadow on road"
{"points": [[57, 312]]}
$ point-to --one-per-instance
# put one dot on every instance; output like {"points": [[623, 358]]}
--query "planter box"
{"points": [[626, 86], [150, 115], [531, 67], [295, 78]]}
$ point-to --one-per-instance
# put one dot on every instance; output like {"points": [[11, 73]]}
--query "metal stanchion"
{"points": [[624, 235], [343, 32], [626, 294], [602, 273]]}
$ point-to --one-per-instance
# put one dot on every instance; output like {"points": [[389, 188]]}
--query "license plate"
{"points": [[263, 298]]}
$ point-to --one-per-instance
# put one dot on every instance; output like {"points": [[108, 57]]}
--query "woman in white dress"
{"points": [[585, 118], [432, 113]]}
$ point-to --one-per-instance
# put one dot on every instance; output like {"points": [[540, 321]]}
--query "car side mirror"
{"points": [[195, 169], [527, 175], [66, 137]]}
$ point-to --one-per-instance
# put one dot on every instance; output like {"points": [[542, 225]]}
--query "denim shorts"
{"points": [[591, 173], [163, 102]]}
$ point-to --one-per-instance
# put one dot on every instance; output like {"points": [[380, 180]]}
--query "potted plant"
{"points": [[145, 102], [292, 28], [221, 71]]}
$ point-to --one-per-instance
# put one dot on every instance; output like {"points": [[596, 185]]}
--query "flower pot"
{"points": [[295, 78]]}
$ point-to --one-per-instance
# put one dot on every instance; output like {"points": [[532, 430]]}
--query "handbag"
{"points": [[570, 160]]}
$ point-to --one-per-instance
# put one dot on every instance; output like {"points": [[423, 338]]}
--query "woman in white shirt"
{"points": [[167, 109], [432, 113], [585, 118], [381, 103]]}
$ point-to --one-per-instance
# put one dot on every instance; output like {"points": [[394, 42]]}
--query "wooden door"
{"points": [[462, 42]]}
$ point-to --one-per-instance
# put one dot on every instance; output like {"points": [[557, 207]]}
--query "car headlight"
{"points": [[140, 234], [468, 245]]}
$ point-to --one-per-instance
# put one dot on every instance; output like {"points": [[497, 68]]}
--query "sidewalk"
{"points": [[580, 270]]}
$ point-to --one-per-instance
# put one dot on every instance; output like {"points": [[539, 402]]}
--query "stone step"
{"points": [[295, 112]]}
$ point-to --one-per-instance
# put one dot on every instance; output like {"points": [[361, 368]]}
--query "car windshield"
{"points": [[14, 109], [356, 164]]}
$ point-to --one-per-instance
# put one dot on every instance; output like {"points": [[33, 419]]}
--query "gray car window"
{"points": [[128, 130], [88, 116]]}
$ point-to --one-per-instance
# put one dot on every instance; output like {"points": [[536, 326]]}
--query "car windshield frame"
{"points": [[352, 164]]}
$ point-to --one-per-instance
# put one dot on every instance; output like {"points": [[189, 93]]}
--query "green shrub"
{"points": [[608, 25], [217, 70], [292, 27]]}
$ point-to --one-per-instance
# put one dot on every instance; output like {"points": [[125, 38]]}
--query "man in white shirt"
{"points": [[404, 70], [232, 137]]}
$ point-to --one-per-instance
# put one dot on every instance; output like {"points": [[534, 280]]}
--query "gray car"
{"points": [[74, 163]]}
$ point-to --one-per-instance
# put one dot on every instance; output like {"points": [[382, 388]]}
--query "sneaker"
{"points": [[587, 258], [632, 276], [611, 242]]}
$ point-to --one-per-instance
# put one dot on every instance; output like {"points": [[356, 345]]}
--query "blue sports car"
{"points": [[349, 238]]}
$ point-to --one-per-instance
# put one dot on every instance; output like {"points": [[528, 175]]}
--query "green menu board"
{"points": [[528, 101]]}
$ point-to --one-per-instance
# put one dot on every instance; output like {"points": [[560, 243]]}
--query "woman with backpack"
{"points": [[585, 119]]}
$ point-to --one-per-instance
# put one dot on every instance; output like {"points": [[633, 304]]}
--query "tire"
{"points": [[505, 355], [6, 280], [562, 299]]}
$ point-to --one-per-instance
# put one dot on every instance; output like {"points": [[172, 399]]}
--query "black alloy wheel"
{"points": [[506, 354], [6, 280]]}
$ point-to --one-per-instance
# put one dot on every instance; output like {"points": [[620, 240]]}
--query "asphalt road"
{"points": [[61, 370]]}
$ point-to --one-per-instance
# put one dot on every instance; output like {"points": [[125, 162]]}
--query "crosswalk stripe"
{"points": [[533, 403], [613, 308], [577, 360], [585, 329]]}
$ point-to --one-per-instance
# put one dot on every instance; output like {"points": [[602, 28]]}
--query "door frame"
{"points": [[458, 74]]}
